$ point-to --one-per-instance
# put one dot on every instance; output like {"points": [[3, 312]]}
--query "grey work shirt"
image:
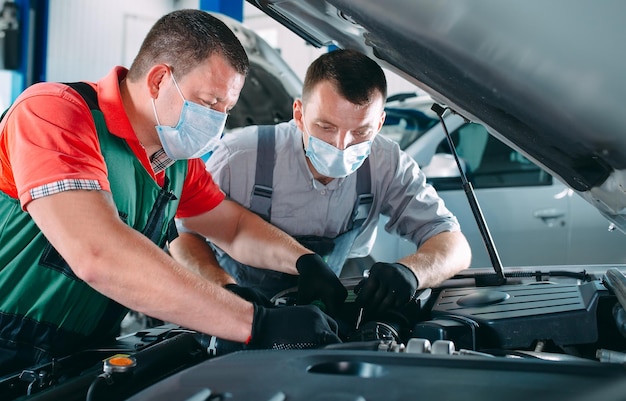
{"points": [[302, 205]]}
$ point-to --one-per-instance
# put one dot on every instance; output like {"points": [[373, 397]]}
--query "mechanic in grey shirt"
{"points": [[322, 161]]}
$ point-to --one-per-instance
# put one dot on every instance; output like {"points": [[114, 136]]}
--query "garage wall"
{"points": [[86, 38]]}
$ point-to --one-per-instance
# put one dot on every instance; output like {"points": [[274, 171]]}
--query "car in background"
{"points": [[534, 218]]}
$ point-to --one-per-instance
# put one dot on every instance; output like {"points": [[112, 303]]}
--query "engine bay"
{"points": [[571, 319]]}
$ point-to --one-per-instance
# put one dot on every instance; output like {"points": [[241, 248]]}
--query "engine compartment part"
{"points": [[361, 375], [530, 337], [517, 316]]}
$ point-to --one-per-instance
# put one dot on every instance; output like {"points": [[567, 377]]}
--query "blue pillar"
{"points": [[232, 8], [39, 10], [33, 43]]}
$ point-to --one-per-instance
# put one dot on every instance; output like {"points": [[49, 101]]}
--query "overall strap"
{"points": [[87, 92], [343, 243], [364, 197], [261, 198]]}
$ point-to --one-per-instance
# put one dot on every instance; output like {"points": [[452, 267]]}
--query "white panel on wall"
{"points": [[135, 29], [86, 38]]}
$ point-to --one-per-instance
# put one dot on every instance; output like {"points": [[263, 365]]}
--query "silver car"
{"points": [[534, 218]]}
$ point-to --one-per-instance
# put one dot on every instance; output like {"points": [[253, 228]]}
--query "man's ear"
{"points": [[382, 121], [297, 117], [156, 78], [297, 113]]}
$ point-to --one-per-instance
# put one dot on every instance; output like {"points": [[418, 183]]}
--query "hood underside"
{"points": [[547, 78]]}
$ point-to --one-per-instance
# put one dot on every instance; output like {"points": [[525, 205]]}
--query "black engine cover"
{"points": [[515, 316]]}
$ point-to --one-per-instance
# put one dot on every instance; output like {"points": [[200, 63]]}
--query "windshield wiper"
{"points": [[483, 280]]}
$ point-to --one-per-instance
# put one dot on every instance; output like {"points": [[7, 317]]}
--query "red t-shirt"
{"points": [[48, 137]]}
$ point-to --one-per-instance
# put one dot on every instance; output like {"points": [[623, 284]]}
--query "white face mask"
{"points": [[198, 131], [330, 161]]}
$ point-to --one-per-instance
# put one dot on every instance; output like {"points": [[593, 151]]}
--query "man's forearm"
{"points": [[247, 238], [127, 267], [193, 252], [149, 281], [439, 258]]}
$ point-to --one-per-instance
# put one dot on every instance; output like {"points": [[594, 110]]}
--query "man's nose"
{"points": [[343, 140], [220, 107]]}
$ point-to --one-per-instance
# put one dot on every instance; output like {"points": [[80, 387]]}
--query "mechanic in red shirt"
{"points": [[89, 190]]}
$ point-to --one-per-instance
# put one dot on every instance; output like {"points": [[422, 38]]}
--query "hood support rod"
{"points": [[478, 215]]}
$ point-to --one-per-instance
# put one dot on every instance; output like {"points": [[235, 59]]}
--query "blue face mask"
{"points": [[330, 161], [198, 131]]}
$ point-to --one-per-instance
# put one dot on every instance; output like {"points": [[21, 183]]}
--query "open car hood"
{"points": [[547, 78]]}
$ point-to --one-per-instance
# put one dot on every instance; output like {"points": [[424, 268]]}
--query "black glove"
{"points": [[389, 285], [249, 294], [292, 327], [318, 284]]}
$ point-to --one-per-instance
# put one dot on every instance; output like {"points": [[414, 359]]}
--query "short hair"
{"points": [[185, 38], [356, 76]]}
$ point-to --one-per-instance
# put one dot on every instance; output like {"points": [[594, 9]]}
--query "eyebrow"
{"points": [[362, 127]]}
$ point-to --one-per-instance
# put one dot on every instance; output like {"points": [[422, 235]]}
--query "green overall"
{"points": [[43, 304]]}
